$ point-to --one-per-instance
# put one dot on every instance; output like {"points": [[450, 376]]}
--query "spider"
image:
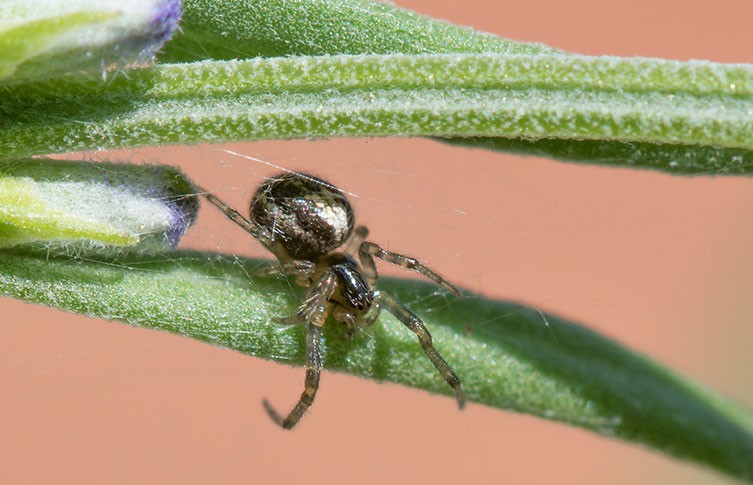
{"points": [[303, 220]]}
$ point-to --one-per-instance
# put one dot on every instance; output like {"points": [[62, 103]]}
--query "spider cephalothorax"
{"points": [[303, 220]]}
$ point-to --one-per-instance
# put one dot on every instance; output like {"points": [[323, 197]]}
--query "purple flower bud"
{"points": [[94, 207], [56, 37]]}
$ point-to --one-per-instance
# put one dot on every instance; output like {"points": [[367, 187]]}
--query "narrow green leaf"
{"points": [[666, 157], [236, 29], [508, 356], [325, 27], [684, 107]]}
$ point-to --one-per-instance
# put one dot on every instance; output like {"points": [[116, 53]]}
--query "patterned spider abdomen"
{"points": [[307, 216]]}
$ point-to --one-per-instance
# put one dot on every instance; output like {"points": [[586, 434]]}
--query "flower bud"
{"points": [[46, 38], [99, 207]]}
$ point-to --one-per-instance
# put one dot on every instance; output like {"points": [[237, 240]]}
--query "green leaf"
{"points": [[680, 117], [667, 157], [508, 356], [236, 29], [412, 76], [622, 101]]}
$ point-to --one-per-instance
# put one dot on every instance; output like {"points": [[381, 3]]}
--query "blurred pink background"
{"points": [[660, 263]]}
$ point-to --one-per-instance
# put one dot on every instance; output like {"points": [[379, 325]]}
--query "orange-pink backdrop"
{"points": [[660, 263]]}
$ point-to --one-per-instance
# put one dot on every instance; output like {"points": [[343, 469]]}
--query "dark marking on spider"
{"points": [[302, 220]]}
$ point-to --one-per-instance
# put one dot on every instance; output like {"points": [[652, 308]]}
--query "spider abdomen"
{"points": [[307, 216]]}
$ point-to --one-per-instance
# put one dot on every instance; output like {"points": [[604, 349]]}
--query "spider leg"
{"points": [[301, 269], [313, 371], [235, 216], [376, 309], [367, 250], [344, 316], [313, 311], [291, 320], [410, 320], [360, 233], [315, 307], [296, 267], [354, 322]]}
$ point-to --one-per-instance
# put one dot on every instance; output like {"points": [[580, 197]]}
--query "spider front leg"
{"points": [[313, 371], [368, 250], [313, 311], [410, 320]]}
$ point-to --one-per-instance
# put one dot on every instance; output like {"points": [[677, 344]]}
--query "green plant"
{"points": [[411, 76]]}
